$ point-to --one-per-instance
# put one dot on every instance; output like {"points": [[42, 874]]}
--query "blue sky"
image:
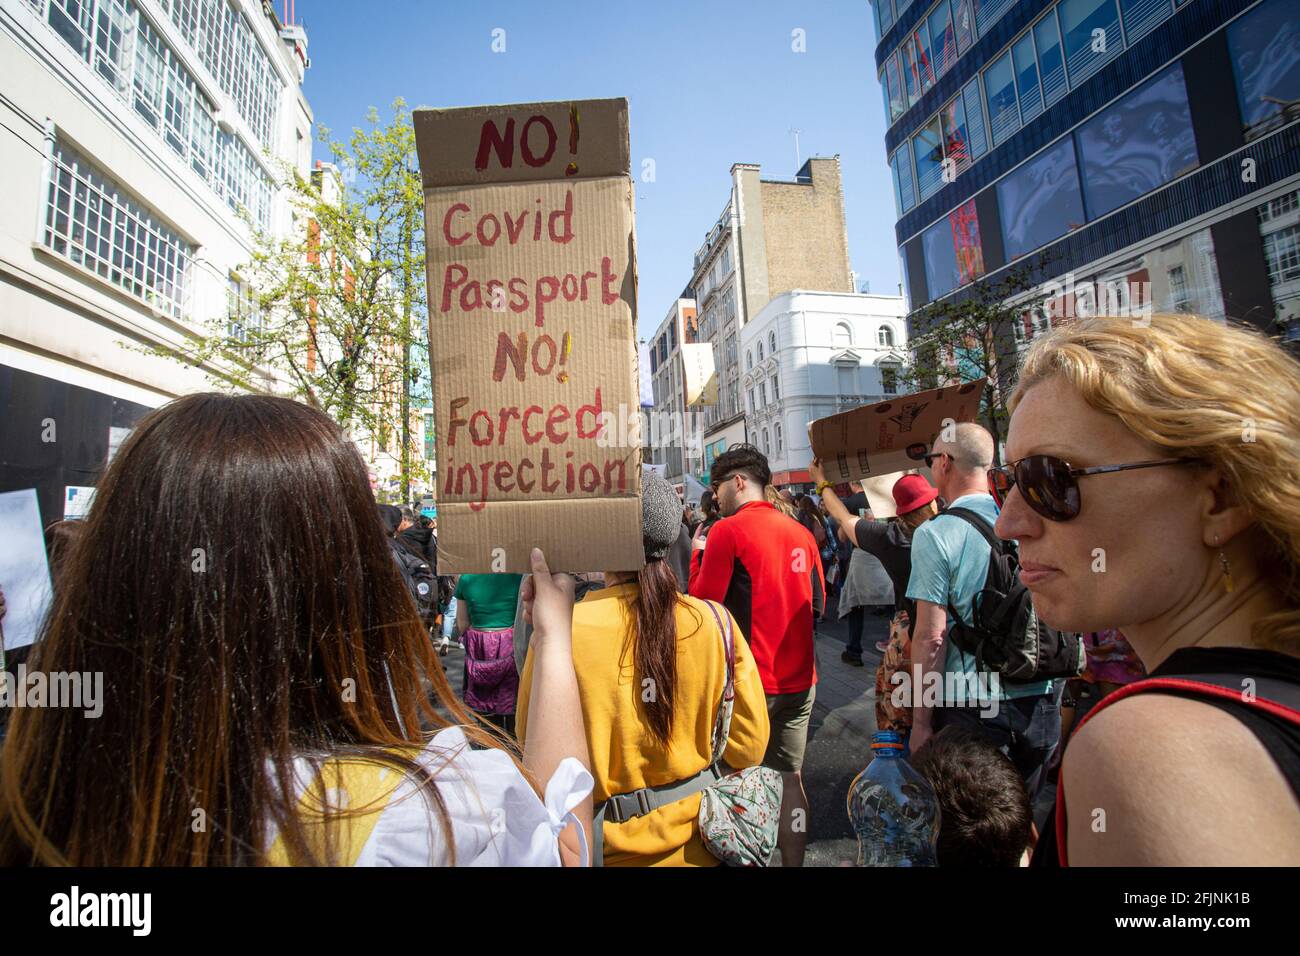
{"points": [[708, 84]]}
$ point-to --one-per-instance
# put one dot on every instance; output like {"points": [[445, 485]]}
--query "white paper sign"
{"points": [[24, 572], [115, 438], [76, 500]]}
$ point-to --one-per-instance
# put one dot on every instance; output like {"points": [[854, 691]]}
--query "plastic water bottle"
{"points": [[894, 812]]}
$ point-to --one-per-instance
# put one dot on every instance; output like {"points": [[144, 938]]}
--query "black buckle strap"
{"points": [[625, 806]]}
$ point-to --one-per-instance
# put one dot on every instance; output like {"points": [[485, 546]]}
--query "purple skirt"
{"points": [[491, 680]]}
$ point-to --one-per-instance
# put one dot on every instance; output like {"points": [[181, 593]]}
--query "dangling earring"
{"points": [[1223, 564]]}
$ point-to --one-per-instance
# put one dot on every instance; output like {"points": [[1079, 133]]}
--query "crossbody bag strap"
{"points": [[722, 723]]}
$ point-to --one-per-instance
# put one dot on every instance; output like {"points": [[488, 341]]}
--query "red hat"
{"points": [[912, 492]]}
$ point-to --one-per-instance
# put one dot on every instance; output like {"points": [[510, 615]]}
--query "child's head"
{"points": [[986, 819]]}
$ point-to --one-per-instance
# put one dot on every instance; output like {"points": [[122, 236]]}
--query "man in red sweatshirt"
{"points": [[764, 567]]}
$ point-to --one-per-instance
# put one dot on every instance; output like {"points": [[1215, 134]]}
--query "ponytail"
{"points": [[654, 645]]}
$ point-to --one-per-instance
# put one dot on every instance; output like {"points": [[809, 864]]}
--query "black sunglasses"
{"points": [[1051, 487], [930, 456]]}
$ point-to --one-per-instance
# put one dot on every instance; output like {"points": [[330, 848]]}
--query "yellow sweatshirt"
{"points": [[623, 755]]}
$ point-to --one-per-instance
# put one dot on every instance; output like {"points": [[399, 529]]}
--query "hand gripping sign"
{"points": [[532, 334]]}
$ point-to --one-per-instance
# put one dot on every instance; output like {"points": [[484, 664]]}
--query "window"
{"points": [[988, 12], [762, 394], [943, 38], [1178, 297], [771, 343], [894, 92], [113, 30], [952, 251], [889, 378], [900, 168], [924, 61], [749, 360], [884, 15], [952, 119], [1143, 16], [72, 20], [1282, 255], [243, 317], [1279, 207], [845, 376], [1137, 144], [965, 25], [1051, 65], [91, 221], [1040, 200], [1092, 36], [979, 139], [767, 447], [911, 78], [927, 149], [885, 337], [1025, 61], [1265, 54], [180, 94], [760, 353], [776, 431], [1000, 88], [150, 63], [842, 336], [751, 401], [776, 389]]}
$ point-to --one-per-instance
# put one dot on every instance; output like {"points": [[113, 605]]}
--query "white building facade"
{"points": [[136, 135], [673, 427], [807, 355]]}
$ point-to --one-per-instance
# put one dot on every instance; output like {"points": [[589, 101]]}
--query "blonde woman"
{"points": [[1153, 485]]}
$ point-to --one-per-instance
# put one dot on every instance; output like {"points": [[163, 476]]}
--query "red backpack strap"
{"points": [[1222, 687]]}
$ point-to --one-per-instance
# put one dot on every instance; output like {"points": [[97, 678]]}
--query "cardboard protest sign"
{"points": [[532, 335], [890, 436], [700, 376]]}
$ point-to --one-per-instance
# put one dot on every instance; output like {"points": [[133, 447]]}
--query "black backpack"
{"points": [[420, 579], [1007, 636]]}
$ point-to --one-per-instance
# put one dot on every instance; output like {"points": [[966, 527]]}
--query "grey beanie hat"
{"points": [[661, 515]]}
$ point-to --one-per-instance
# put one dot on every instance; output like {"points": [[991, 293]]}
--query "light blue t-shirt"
{"points": [[950, 562]]}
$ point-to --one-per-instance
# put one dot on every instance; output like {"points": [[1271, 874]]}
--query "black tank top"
{"points": [[1227, 665]]}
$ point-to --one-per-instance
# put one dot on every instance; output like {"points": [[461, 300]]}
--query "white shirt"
{"points": [[495, 814]]}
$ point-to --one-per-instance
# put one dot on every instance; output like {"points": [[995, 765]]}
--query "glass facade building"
{"points": [[1147, 149]]}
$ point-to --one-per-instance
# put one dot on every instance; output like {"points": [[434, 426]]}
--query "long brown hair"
{"points": [[654, 645], [232, 585]]}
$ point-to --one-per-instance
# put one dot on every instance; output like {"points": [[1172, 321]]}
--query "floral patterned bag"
{"points": [[740, 813]]}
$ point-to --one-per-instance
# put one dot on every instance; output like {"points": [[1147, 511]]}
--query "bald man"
{"points": [[950, 562]]}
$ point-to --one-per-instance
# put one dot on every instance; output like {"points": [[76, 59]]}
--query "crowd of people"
{"points": [[285, 701]]}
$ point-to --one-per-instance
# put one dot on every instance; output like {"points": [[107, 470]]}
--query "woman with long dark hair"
{"points": [[651, 671], [266, 672]]}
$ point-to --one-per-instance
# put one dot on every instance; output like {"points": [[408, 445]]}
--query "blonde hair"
{"points": [[774, 498], [1199, 389]]}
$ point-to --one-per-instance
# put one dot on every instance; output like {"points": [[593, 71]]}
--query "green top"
{"points": [[489, 598]]}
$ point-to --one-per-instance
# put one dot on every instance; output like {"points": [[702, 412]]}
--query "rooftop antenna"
{"points": [[798, 157]]}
